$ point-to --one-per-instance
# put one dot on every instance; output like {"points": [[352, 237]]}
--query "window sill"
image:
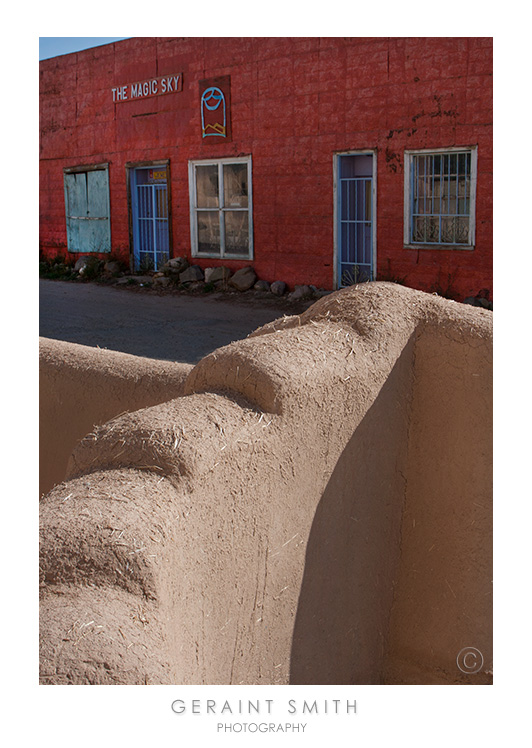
{"points": [[453, 247], [205, 256]]}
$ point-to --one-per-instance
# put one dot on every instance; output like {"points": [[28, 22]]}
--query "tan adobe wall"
{"points": [[82, 387], [315, 509]]}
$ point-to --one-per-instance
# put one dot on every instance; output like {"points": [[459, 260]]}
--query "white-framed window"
{"points": [[221, 222], [440, 192]]}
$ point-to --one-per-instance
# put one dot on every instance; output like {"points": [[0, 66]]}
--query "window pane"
{"points": [[162, 202], [144, 201], [420, 196], [347, 254], [145, 230], [433, 229], [344, 189], [367, 201], [419, 232], [448, 230], [462, 230], [352, 200], [208, 232], [441, 193], [453, 164], [356, 166], [347, 167], [235, 185], [141, 176], [161, 236], [207, 186], [236, 232]]}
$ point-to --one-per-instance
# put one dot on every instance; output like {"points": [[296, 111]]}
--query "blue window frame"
{"points": [[440, 189]]}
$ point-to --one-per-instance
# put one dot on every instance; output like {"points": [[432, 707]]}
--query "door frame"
{"points": [[130, 167], [336, 213]]}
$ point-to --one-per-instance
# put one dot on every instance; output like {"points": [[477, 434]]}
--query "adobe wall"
{"points": [[443, 599], [295, 102], [314, 509], [82, 387]]}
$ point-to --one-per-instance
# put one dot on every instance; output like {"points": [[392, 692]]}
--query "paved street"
{"points": [[171, 327]]}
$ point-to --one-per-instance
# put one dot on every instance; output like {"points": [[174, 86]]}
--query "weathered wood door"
{"points": [[87, 211]]}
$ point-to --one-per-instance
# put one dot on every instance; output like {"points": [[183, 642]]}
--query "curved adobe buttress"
{"points": [[315, 508]]}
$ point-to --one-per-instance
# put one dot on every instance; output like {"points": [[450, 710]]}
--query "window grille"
{"points": [[441, 198]]}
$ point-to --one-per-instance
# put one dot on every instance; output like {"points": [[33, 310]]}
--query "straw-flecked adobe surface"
{"points": [[312, 507]]}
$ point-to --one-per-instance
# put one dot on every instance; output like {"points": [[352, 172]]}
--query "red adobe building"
{"points": [[315, 160]]}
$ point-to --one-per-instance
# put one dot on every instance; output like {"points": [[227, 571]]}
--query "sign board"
{"points": [[157, 175], [153, 87], [215, 104]]}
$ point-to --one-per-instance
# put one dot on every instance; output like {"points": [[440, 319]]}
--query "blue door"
{"points": [[149, 205], [355, 219]]}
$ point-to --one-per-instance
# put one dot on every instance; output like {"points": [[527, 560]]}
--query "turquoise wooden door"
{"points": [[87, 211]]}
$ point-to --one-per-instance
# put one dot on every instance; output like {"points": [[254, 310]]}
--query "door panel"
{"points": [[355, 250], [87, 211], [149, 202]]}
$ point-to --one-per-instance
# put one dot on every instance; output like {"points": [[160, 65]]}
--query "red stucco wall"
{"points": [[294, 103]]}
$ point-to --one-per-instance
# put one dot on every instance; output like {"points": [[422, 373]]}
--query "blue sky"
{"points": [[51, 46]]}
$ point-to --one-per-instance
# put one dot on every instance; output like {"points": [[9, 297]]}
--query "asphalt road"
{"points": [[172, 327]]}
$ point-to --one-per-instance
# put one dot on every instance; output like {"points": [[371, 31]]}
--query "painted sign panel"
{"points": [[153, 87], [215, 104], [157, 175]]}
